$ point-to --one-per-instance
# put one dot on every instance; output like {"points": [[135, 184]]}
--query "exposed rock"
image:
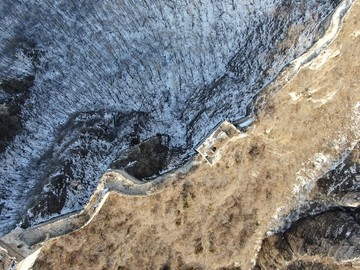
{"points": [[326, 241], [341, 186], [145, 160], [331, 234]]}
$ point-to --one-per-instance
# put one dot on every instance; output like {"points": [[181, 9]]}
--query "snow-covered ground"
{"points": [[169, 67]]}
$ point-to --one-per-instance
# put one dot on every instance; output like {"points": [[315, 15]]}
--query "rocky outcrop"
{"points": [[341, 186], [329, 240], [145, 160]]}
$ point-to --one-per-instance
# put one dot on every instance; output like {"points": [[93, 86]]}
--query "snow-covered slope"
{"points": [[106, 71]]}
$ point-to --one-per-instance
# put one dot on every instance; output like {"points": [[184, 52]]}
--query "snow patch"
{"points": [[323, 57]]}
